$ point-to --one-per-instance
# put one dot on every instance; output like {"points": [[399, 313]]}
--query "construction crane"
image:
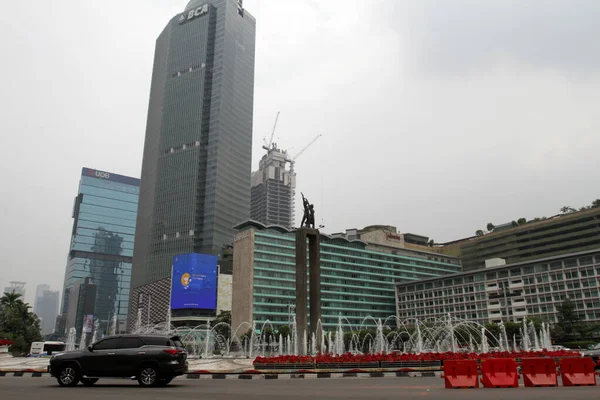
{"points": [[267, 146], [292, 161]]}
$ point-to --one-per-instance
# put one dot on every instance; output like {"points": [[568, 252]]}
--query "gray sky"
{"points": [[437, 117]]}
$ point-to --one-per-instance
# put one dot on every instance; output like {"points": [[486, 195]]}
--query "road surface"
{"points": [[28, 388]]}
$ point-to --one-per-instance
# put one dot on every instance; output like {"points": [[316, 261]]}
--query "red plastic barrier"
{"points": [[577, 372], [499, 372], [539, 372], [460, 374]]}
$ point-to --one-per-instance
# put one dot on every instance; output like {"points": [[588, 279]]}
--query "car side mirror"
{"points": [[91, 348]]}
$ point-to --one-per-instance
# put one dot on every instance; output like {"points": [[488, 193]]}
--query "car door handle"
{"points": [[111, 354], [141, 352]]}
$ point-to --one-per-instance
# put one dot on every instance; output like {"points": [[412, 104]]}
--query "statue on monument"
{"points": [[308, 219]]}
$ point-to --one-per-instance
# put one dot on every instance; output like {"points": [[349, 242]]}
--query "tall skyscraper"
{"points": [[195, 184], [104, 218], [272, 201]]}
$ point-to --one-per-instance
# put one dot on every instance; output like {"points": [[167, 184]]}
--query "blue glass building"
{"points": [[101, 251]]}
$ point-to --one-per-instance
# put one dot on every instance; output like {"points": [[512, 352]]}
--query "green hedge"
{"points": [[580, 344]]}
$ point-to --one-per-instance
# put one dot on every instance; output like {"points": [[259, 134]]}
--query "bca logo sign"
{"points": [[195, 13]]}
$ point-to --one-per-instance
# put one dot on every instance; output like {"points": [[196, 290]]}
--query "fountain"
{"points": [[83, 341], [70, 345], [485, 348], [95, 333], [533, 334], [113, 326], [138, 322], [525, 341], [435, 335]]}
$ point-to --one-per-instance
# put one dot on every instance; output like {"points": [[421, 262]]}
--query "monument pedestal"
{"points": [[308, 239]]}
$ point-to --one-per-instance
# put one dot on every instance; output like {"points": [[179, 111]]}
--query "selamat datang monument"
{"points": [[307, 232]]}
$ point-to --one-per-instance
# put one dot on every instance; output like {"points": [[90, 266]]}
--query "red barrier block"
{"points": [[460, 374], [499, 372], [577, 372], [539, 372]]}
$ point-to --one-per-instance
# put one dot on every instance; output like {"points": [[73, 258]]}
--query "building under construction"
{"points": [[272, 196], [273, 185]]}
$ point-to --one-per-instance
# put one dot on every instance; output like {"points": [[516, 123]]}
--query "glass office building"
{"points": [[101, 250], [356, 282], [195, 183]]}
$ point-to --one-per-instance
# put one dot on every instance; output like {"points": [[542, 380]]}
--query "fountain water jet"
{"points": [[70, 345]]}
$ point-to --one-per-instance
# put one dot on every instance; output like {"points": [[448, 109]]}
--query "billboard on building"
{"points": [[88, 323], [194, 282]]}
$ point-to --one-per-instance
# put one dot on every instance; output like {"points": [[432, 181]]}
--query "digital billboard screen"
{"points": [[194, 282]]}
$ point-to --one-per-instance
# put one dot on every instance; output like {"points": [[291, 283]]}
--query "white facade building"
{"points": [[508, 292]]}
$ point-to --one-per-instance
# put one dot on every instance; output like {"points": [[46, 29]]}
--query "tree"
{"points": [[17, 323], [587, 331], [596, 203], [284, 330], [567, 209], [567, 316], [492, 331], [522, 221], [479, 233], [10, 300], [514, 224], [431, 243], [223, 324], [490, 227], [512, 329]]}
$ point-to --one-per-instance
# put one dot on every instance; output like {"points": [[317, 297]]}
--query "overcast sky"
{"points": [[437, 116]]}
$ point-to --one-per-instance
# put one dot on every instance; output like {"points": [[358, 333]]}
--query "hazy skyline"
{"points": [[437, 117]]}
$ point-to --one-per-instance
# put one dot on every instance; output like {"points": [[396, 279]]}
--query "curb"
{"points": [[317, 375], [22, 373], [251, 376]]}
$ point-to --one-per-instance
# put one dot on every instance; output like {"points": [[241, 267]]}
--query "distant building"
{"points": [[386, 238], [46, 308], [272, 195], [81, 307], [16, 287], [357, 280], [39, 293], [561, 234], [100, 255], [510, 292]]}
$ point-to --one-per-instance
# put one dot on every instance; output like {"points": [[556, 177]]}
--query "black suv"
{"points": [[151, 359]]}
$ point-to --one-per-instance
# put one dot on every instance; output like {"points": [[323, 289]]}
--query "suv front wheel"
{"points": [[68, 376], [148, 376]]}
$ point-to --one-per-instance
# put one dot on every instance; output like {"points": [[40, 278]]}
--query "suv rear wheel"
{"points": [[148, 376], [68, 376]]}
